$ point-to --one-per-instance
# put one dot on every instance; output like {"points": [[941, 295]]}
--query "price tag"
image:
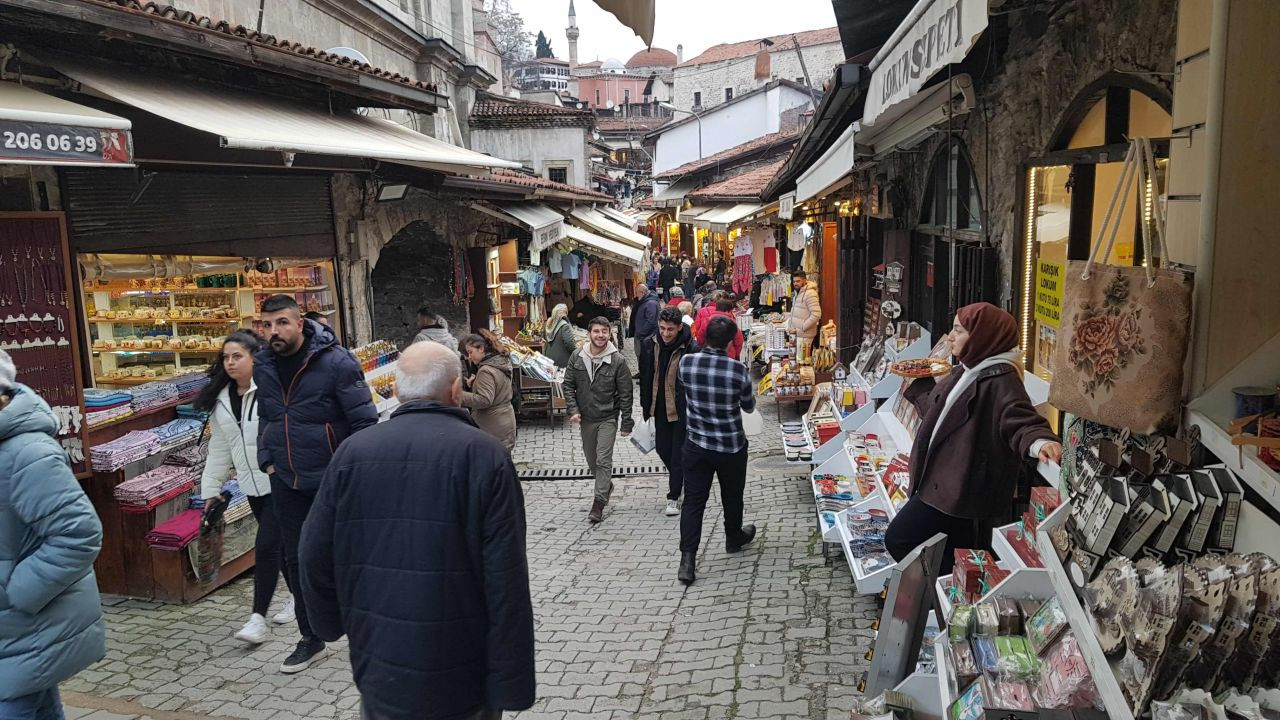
{"points": [[42, 141]]}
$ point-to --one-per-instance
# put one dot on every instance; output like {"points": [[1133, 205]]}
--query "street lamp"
{"points": [[696, 116]]}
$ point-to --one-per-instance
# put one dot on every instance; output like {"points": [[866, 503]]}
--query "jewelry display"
{"points": [[37, 320]]}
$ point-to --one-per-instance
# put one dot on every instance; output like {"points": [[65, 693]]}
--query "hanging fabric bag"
{"points": [[1123, 335]]}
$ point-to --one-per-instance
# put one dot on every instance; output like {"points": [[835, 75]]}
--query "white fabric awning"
{"points": [[719, 219], [546, 225], [694, 212], [673, 195], [250, 121], [42, 129], [644, 215], [604, 247], [628, 221], [833, 168], [910, 122], [936, 33], [597, 223]]}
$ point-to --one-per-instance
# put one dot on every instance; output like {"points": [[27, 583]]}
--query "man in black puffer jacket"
{"points": [[416, 551], [311, 396]]}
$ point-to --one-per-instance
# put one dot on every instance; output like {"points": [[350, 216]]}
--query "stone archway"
{"points": [[415, 268]]}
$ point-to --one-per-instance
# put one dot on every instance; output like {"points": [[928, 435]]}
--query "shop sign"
{"points": [[1049, 278], [787, 206], [941, 35], [545, 237], [62, 143]]}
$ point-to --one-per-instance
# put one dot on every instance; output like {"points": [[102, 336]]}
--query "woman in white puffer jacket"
{"points": [[231, 400]]}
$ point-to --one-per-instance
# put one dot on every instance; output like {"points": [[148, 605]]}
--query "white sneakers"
{"points": [[254, 632], [673, 508], [285, 616]]}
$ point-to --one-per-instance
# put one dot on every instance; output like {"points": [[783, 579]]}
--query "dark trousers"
{"points": [[266, 546], [918, 521], [669, 438], [699, 467], [291, 508]]}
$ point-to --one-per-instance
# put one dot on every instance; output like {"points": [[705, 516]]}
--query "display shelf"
{"points": [[865, 583], [307, 288], [946, 676], [379, 371], [166, 410], [839, 465], [888, 385], [137, 321], [130, 381], [1243, 461], [1003, 549], [387, 404], [183, 351], [147, 292], [884, 424], [927, 703], [1104, 677]]}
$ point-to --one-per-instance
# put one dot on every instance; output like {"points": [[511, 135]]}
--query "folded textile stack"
{"points": [[239, 506], [153, 395], [153, 488], [190, 385], [192, 457], [177, 433], [114, 455], [189, 411], [177, 533], [102, 406]]}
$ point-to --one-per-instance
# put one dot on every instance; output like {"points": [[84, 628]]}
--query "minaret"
{"points": [[571, 32]]}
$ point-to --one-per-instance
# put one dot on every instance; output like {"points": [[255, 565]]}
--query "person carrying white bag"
{"points": [[662, 401]]}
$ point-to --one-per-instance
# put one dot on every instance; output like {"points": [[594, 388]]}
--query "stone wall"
{"points": [[414, 269], [1026, 94], [740, 74]]}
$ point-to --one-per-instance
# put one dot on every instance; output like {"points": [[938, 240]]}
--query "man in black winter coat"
{"points": [[311, 397], [644, 317], [415, 549], [662, 396]]}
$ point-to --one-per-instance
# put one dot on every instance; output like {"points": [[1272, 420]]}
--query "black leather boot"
{"points": [[744, 538], [687, 562]]}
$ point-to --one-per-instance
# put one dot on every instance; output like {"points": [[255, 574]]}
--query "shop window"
{"points": [[626, 96], [597, 97], [558, 174], [697, 99], [1066, 199], [728, 94]]}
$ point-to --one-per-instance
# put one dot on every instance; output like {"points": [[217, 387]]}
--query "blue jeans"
{"points": [[43, 705]]}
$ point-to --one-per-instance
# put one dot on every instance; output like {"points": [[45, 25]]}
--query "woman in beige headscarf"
{"points": [[559, 336]]}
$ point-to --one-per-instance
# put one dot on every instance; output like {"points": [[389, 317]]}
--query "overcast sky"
{"points": [[698, 24]]}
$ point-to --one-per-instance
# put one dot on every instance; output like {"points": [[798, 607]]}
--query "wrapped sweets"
{"points": [[1015, 658]]}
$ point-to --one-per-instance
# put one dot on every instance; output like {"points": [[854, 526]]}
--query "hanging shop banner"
{"points": [[29, 142], [787, 206], [1049, 279], [937, 33]]}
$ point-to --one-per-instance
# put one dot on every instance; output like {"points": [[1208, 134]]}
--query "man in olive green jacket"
{"points": [[597, 390]]}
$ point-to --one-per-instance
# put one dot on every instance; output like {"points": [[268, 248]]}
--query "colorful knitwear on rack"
{"points": [[177, 533], [155, 487], [134, 446], [153, 395]]}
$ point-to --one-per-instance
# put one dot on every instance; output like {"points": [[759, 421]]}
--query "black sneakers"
{"points": [[308, 650]]}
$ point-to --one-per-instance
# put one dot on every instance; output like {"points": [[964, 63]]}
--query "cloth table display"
{"points": [[192, 457], [177, 433], [102, 406], [177, 533], [190, 385], [94, 418], [153, 395], [128, 448], [239, 505], [155, 487]]}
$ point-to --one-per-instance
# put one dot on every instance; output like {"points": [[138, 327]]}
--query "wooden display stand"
{"points": [[127, 565]]}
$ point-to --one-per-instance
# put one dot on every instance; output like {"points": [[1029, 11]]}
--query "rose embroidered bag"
{"points": [[1123, 336]]}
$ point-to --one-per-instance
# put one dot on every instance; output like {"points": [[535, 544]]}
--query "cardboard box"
{"points": [[1044, 500], [970, 566]]}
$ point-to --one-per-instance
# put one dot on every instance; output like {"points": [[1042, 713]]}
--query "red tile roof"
{"points": [[749, 184], [502, 112], [641, 124], [748, 48], [202, 22], [652, 57], [511, 177], [761, 144]]}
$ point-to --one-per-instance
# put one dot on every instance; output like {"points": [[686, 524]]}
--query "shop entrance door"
{"points": [[926, 283]]}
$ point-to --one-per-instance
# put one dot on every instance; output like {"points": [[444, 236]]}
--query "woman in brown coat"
{"points": [[488, 393], [976, 427]]}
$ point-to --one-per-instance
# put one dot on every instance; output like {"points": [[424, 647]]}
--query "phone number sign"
{"points": [[36, 142]]}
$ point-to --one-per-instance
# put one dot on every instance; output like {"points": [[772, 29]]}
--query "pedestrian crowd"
{"points": [[415, 551]]}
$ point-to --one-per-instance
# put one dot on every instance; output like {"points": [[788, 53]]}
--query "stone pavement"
{"points": [[772, 632]]}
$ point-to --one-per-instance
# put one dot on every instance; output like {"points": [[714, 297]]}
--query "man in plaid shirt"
{"points": [[717, 390]]}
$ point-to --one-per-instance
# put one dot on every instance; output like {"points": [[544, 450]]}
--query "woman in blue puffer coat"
{"points": [[50, 614]]}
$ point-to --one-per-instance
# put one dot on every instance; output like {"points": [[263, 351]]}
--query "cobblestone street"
{"points": [[772, 632]]}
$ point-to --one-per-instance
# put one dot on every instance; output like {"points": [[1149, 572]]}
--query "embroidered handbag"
{"points": [[1124, 331]]}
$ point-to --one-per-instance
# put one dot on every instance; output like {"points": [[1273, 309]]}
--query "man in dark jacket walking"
{"points": [[662, 396], [644, 317], [416, 551], [311, 396]]}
